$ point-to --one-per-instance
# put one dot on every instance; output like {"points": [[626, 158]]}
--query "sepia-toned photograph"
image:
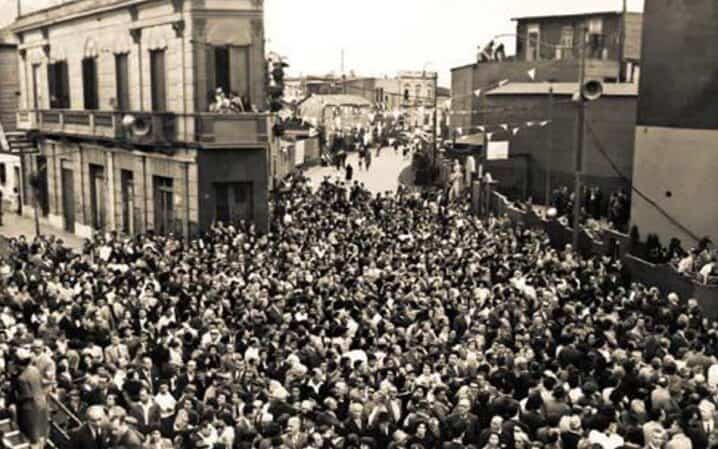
{"points": [[345, 224]]}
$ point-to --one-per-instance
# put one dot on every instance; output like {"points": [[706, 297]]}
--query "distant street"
{"points": [[383, 174]]}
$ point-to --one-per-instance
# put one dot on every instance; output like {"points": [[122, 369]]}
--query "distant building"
{"points": [[542, 137], [676, 157], [9, 86], [550, 46], [336, 112], [116, 95]]}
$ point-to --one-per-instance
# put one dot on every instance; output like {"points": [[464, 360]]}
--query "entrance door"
{"points": [[233, 202], [97, 196], [68, 196], [163, 204], [221, 194], [43, 196], [128, 201], [35, 86]]}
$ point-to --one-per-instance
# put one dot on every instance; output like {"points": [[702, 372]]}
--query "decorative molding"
{"points": [[199, 27], [136, 35], [23, 53], [134, 13], [46, 50], [45, 33], [178, 27], [177, 5], [257, 27]]}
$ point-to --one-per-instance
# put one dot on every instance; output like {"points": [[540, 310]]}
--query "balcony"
{"points": [[203, 130]]}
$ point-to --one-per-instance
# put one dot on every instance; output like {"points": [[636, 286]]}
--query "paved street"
{"points": [[382, 175], [14, 226]]}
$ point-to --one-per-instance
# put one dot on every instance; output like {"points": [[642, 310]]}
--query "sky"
{"points": [[381, 37]]}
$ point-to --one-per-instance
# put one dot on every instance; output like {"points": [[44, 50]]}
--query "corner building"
{"points": [[115, 93]]}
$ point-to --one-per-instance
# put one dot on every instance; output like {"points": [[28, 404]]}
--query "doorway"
{"points": [[68, 196], [97, 196], [128, 201], [233, 202], [42, 190], [163, 204]]}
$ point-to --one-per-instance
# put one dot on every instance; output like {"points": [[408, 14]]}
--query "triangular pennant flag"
{"points": [[545, 122], [532, 74], [460, 131], [504, 126], [481, 128], [515, 131], [503, 83], [477, 92], [489, 136], [530, 124]]}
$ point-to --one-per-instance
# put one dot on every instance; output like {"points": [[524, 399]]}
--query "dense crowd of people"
{"points": [[362, 320], [615, 211]]}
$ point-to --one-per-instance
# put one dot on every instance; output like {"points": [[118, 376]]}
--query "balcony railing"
{"points": [[206, 130]]}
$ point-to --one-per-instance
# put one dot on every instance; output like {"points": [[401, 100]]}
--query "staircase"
{"points": [[11, 437], [62, 423]]}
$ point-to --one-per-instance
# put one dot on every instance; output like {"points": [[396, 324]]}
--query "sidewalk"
{"points": [[14, 225]]}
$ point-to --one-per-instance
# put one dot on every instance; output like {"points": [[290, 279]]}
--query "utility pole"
{"points": [[622, 41], [436, 86], [579, 141], [549, 158]]}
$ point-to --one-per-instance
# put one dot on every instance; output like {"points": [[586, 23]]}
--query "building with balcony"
{"points": [[9, 87], [115, 93], [676, 138], [550, 47]]}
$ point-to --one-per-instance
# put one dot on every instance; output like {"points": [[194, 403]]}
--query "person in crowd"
{"points": [[30, 400]]}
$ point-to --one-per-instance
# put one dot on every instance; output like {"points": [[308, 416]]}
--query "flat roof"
{"points": [[564, 16], [609, 89]]}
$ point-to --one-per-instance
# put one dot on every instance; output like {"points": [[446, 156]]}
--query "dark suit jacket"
{"points": [[83, 438], [130, 440]]}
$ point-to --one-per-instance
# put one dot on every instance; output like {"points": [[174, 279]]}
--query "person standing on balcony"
{"points": [[31, 401]]}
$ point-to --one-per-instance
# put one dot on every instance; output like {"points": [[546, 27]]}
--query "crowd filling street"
{"points": [[362, 320]]}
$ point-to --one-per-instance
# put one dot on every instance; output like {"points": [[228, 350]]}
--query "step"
{"points": [[5, 426], [15, 440]]}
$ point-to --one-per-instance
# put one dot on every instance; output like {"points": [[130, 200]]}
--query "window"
{"points": [[158, 81], [122, 78], [3, 175], [533, 41], [417, 93], [565, 49], [89, 83], [58, 85], [596, 40], [222, 69]]}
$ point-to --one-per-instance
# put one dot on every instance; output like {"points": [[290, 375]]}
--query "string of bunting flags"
{"points": [[507, 127]]}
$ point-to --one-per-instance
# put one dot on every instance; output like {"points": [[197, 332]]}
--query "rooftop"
{"points": [[567, 16], [609, 89]]}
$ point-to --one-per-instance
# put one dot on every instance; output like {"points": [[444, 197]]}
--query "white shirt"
{"points": [[167, 404]]}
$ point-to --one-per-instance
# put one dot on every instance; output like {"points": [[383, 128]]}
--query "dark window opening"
{"points": [[222, 70], [58, 85], [158, 80], [89, 83], [122, 78]]}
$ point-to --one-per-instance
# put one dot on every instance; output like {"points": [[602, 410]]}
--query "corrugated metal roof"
{"points": [[609, 89]]}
